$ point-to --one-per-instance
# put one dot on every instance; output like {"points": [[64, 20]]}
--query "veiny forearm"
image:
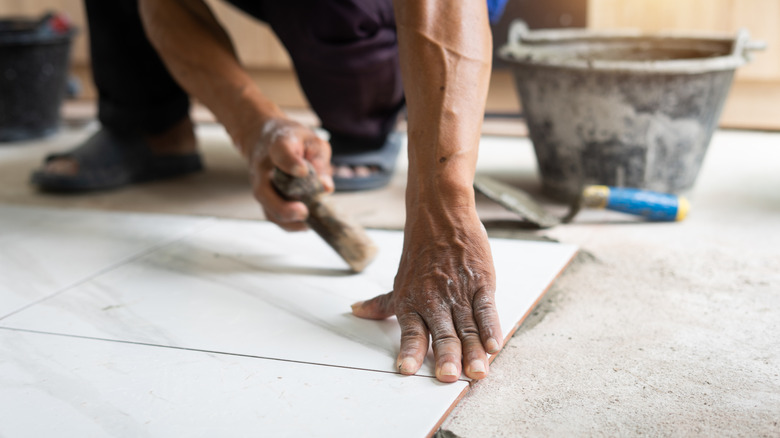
{"points": [[446, 51], [445, 285], [200, 55]]}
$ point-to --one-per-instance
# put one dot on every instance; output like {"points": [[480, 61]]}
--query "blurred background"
{"points": [[753, 103]]}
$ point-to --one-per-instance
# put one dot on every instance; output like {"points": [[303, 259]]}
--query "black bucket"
{"points": [[34, 61]]}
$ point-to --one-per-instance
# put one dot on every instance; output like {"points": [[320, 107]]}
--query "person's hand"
{"points": [[444, 288], [287, 145]]}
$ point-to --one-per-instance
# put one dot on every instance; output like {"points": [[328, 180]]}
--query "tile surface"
{"points": [[149, 325], [249, 288], [43, 251], [63, 386]]}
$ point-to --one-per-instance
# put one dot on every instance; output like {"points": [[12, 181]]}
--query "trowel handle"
{"points": [[653, 206], [341, 232]]}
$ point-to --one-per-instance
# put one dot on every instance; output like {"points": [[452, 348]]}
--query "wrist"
{"points": [[439, 207], [447, 188], [441, 170], [250, 119], [445, 194]]}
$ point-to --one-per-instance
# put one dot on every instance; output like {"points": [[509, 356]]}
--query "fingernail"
{"points": [[327, 182], [357, 305], [407, 366], [300, 170], [492, 346], [477, 367], [449, 369]]}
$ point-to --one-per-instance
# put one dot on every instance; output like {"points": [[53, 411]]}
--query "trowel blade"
{"points": [[515, 200]]}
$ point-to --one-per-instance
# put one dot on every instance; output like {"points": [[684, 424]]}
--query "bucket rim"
{"points": [[533, 48], [27, 36]]}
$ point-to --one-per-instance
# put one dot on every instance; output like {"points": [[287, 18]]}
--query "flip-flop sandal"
{"points": [[382, 161], [107, 160]]}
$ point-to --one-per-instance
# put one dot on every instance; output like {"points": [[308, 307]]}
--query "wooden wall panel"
{"points": [[256, 44], [760, 17], [754, 101]]}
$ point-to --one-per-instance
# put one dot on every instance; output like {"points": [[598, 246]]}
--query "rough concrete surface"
{"points": [[655, 329]]}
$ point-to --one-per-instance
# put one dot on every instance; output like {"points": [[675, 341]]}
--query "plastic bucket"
{"points": [[621, 108], [34, 60]]}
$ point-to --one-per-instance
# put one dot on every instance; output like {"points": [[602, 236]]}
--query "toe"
{"points": [[343, 172], [362, 171], [62, 166]]}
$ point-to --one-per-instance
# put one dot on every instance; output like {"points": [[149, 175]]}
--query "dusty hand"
{"points": [[287, 145], [444, 288]]}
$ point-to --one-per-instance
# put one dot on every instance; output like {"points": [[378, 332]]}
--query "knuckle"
{"points": [[445, 341], [411, 326], [413, 333], [442, 328], [447, 356], [484, 305], [407, 305], [434, 308], [468, 331], [386, 299]]}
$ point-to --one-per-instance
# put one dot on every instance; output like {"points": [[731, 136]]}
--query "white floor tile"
{"points": [[249, 288], [62, 386], [44, 250]]}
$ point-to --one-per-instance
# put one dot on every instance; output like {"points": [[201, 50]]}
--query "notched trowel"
{"points": [[653, 206]]}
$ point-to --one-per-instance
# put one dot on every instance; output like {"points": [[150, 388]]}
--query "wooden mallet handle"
{"points": [[342, 233]]}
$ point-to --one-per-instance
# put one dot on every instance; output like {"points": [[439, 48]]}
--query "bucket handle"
{"points": [[743, 45], [517, 30]]}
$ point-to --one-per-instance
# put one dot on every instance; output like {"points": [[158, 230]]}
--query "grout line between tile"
{"points": [[133, 257], [199, 350], [449, 410]]}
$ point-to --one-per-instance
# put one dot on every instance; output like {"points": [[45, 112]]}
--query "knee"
{"points": [[342, 23], [333, 24]]}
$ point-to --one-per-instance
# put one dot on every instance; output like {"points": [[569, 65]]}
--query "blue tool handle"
{"points": [[653, 206]]}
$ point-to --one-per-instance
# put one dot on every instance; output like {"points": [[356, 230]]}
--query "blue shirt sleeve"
{"points": [[496, 9]]}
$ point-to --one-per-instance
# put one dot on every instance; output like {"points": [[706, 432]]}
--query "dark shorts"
{"points": [[345, 54]]}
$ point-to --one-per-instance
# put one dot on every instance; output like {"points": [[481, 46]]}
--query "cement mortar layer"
{"points": [[656, 329]]}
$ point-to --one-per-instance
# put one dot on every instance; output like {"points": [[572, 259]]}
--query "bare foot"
{"points": [[178, 140]]}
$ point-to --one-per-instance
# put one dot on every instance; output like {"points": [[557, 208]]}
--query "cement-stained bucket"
{"points": [[622, 108]]}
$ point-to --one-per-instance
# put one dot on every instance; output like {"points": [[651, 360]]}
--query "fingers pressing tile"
{"points": [[448, 372], [492, 346], [476, 369], [408, 366]]}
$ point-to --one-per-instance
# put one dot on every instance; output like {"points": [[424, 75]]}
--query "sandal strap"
{"points": [[104, 149]]}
